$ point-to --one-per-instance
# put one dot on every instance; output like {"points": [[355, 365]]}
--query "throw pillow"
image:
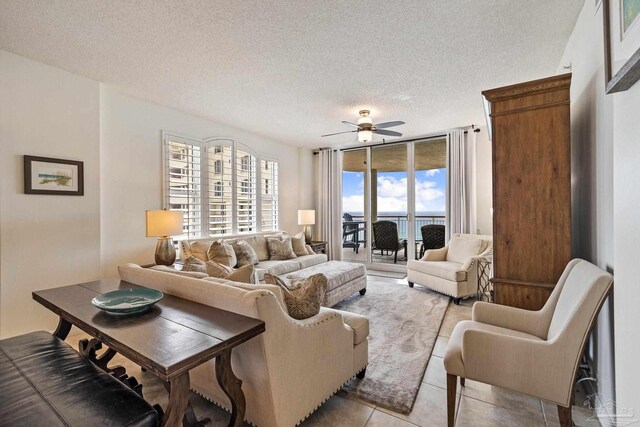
{"points": [[461, 249], [303, 298], [244, 253], [194, 264], [309, 250], [217, 269], [222, 253], [244, 274], [280, 249], [200, 249], [298, 244]]}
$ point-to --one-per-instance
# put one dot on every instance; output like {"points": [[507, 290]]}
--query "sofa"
{"points": [[195, 247], [289, 370], [452, 270]]}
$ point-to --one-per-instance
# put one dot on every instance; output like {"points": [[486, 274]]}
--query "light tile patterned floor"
{"points": [[477, 405]]}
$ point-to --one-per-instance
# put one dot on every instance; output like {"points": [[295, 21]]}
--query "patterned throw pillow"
{"points": [[194, 264], [304, 297], [222, 253], [298, 244], [280, 249], [244, 253]]}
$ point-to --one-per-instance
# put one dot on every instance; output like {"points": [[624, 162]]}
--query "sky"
{"points": [[392, 191]]}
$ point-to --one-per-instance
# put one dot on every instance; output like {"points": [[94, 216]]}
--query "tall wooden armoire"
{"points": [[531, 189]]}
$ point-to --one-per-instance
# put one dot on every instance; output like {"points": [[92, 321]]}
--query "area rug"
{"points": [[390, 274], [404, 324]]}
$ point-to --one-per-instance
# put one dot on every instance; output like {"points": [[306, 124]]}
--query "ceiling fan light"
{"points": [[365, 136], [365, 120]]}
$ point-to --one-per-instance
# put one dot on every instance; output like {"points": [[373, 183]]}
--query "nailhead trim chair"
{"points": [[532, 352]]}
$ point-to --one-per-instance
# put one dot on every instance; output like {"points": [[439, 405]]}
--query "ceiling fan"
{"points": [[366, 128]]}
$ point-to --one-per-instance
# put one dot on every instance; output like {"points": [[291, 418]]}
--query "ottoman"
{"points": [[343, 279]]}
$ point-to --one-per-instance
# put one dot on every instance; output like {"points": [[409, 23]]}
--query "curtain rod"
{"points": [[401, 141]]}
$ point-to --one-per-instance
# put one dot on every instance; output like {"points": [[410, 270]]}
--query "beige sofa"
{"points": [[259, 244], [289, 370], [452, 270]]}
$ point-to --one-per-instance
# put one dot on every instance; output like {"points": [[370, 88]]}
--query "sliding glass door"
{"points": [[389, 193]]}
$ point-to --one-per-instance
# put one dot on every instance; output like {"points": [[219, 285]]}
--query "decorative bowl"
{"points": [[127, 301]]}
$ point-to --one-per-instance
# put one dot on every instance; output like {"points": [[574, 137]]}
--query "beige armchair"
{"points": [[451, 270], [532, 352]]}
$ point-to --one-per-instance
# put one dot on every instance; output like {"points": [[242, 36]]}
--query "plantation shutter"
{"points": [[269, 194], [183, 183], [220, 188], [246, 191]]}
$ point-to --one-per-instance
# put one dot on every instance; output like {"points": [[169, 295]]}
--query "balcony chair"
{"points": [[432, 237], [350, 233], [531, 352], [451, 270], [385, 238]]}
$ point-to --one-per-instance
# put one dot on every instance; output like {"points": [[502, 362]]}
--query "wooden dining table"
{"points": [[175, 336]]}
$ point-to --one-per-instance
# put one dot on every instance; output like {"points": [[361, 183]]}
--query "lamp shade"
{"points": [[306, 217], [164, 223]]}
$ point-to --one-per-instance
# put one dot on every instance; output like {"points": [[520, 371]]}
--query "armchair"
{"points": [[532, 352], [451, 270]]}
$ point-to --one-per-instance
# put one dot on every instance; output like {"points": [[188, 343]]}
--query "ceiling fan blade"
{"points": [[387, 132], [350, 124], [338, 133], [388, 124]]}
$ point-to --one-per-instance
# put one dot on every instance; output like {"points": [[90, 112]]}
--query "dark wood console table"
{"points": [[175, 336]]}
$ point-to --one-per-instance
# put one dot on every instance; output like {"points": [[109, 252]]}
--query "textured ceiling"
{"points": [[292, 70]]}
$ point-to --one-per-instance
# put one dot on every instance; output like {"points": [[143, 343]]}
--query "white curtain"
{"points": [[461, 177], [329, 201]]}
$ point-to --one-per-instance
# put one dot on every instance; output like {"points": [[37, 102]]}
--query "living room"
{"points": [[111, 84]]}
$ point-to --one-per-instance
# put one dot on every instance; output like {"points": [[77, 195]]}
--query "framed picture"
{"points": [[621, 19], [44, 175]]}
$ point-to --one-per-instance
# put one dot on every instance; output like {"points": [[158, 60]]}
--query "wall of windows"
{"points": [[220, 185]]}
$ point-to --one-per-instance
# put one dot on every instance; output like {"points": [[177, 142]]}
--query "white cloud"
{"points": [[353, 203], [432, 172]]}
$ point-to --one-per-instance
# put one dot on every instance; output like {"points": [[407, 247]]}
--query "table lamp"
{"points": [[307, 217], [164, 224]]}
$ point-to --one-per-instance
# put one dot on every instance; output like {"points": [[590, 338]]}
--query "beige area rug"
{"points": [[390, 274], [404, 324]]}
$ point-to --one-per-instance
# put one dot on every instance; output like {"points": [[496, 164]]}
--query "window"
{"points": [[269, 196], [219, 187], [183, 186]]}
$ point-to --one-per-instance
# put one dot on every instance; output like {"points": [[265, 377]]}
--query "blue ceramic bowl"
{"points": [[127, 301]]}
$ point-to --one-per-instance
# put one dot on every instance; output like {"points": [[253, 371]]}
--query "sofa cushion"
{"points": [[461, 249], [448, 270], [298, 244], [245, 254], [303, 297], [222, 253], [337, 272], [280, 248], [307, 261], [199, 250], [277, 267], [194, 264], [358, 323]]}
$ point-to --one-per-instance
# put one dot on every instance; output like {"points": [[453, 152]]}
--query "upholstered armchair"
{"points": [[532, 352], [452, 270]]}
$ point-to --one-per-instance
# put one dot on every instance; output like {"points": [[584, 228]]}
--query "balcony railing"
{"points": [[402, 222]]}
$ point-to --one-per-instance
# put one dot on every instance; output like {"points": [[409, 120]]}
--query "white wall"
{"points": [[626, 234], [484, 189], [45, 241], [48, 241], [131, 157], [606, 202]]}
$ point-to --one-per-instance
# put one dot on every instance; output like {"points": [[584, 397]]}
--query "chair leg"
{"points": [[452, 382], [395, 257], [411, 284], [461, 382], [564, 414]]}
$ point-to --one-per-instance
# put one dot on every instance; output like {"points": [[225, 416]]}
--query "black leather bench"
{"points": [[45, 382]]}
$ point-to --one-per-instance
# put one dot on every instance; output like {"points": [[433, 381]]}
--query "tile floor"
{"points": [[478, 404]]}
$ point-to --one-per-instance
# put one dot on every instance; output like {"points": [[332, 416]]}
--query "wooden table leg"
{"points": [[62, 330], [178, 401], [232, 387]]}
